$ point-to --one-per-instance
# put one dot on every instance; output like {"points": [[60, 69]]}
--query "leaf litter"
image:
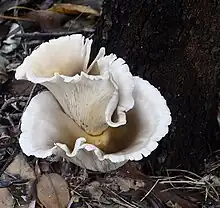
{"points": [[6, 200], [74, 9], [22, 179], [52, 191], [3, 71], [31, 183], [12, 42]]}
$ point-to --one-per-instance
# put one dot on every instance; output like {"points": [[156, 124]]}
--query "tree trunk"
{"points": [[175, 46]]}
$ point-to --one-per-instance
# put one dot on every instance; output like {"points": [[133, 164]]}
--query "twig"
{"points": [[20, 7], [5, 136], [75, 20], [83, 197], [70, 202], [189, 178], [15, 10], [12, 100], [216, 166], [207, 193], [201, 182], [213, 188], [24, 45], [169, 178], [183, 182], [157, 181], [38, 35], [184, 171], [12, 32], [14, 116], [151, 189], [178, 188], [16, 18], [11, 122]]}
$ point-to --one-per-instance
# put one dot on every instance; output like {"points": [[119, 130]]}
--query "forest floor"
{"points": [[25, 24]]}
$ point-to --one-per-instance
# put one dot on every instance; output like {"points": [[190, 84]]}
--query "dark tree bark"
{"points": [[175, 45]]}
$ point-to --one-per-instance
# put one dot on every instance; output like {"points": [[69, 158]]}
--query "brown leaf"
{"points": [[52, 191], [95, 4], [20, 167], [47, 19], [125, 184], [73, 9], [6, 200]]}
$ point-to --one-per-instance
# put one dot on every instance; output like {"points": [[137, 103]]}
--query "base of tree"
{"points": [[174, 45]]}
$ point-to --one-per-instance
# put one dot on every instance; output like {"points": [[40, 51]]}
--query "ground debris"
{"points": [[6, 200], [52, 191], [3, 72], [125, 184], [20, 177], [47, 19], [177, 189], [20, 167], [12, 42], [74, 9], [94, 189], [7, 4]]}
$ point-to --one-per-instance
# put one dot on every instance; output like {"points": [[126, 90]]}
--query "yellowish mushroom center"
{"points": [[112, 139]]}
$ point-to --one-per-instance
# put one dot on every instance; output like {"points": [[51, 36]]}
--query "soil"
{"points": [[174, 45]]}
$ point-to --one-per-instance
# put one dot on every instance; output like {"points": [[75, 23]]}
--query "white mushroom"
{"points": [[96, 116]]}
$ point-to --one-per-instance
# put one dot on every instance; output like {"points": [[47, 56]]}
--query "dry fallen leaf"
{"points": [[73, 9], [6, 200], [95, 4], [52, 191], [11, 43], [125, 184], [47, 19], [20, 167]]}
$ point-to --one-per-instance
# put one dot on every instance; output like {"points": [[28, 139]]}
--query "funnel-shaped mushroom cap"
{"points": [[97, 116]]}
